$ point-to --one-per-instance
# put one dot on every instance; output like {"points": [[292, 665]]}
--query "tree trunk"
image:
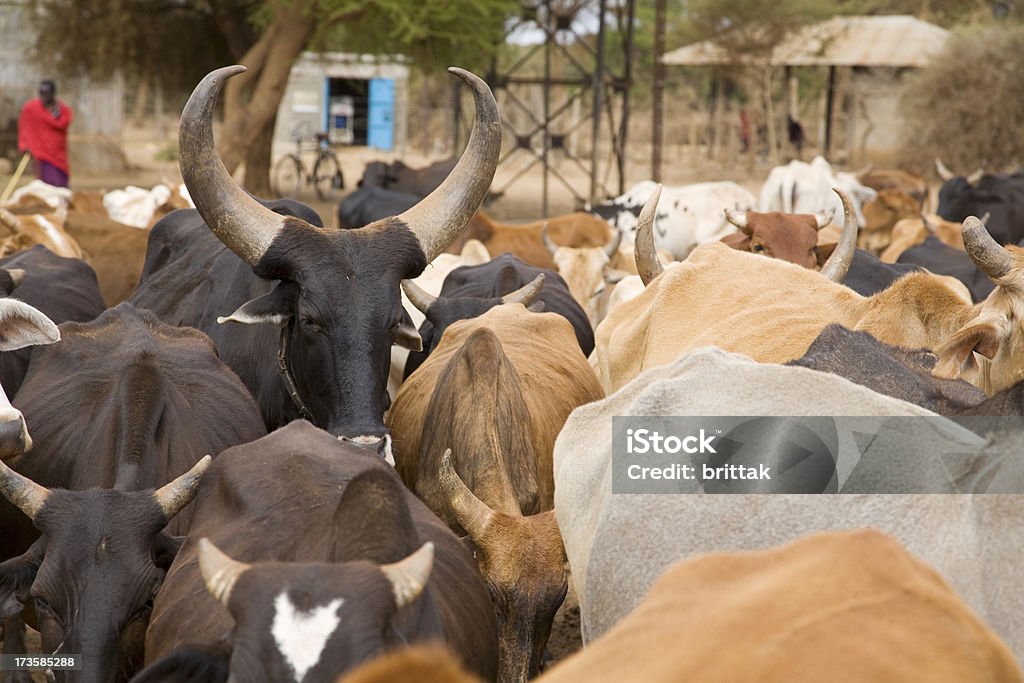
{"points": [[251, 100], [257, 162]]}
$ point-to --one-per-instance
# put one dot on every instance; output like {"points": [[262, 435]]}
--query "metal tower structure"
{"points": [[565, 74]]}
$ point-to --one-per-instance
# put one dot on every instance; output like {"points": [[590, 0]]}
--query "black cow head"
{"points": [[443, 311], [91, 577], [310, 621], [338, 299]]}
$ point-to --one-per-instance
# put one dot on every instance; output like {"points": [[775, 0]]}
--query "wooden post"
{"points": [[829, 106], [658, 90]]}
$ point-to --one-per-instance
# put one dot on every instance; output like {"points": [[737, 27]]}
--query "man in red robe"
{"points": [[43, 133]]}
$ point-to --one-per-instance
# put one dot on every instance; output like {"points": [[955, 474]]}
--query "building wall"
{"points": [[95, 134], [303, 102]]}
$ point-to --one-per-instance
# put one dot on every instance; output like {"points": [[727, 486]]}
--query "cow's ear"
{"points": [[165, 548], [956, 355], [613, 276], [824, 251], [22, 325], [274, 308], [16, 577], [737, 240], [198, 663], [407, 336]]}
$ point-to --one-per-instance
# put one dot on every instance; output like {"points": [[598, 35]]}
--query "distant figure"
{"points": [[43, 133], [796, 134]]}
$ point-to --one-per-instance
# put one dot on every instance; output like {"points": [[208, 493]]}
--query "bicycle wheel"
{"points": [[286, 179], [327, 177]]}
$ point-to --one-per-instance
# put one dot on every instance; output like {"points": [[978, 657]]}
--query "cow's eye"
{"points": [[310, 325], [757, 248], [43, 607]]}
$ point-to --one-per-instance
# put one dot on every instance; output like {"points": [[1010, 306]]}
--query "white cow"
{"points": [[618, 544], [687, 215], [799, 187], [473, 254]]}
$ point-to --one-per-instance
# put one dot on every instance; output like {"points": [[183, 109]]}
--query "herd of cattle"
{"points": [[247, 447]]}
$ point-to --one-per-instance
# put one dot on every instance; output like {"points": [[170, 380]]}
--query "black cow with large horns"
{"points": [[326, 303]]}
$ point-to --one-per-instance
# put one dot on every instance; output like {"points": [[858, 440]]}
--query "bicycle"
{"points": [[290, 173]]}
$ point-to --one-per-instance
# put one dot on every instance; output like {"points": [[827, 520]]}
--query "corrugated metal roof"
{"points": [[887, 41]]}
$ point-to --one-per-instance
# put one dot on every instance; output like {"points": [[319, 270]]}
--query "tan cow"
{"points": [[911, 232], [587, 271], [771, 311], [116, 252], [22, 231], [473, 431], [523, 240], [845, 607], [842, 607], [913, 184]]}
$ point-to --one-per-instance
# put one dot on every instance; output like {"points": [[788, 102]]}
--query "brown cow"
{"points": [[787, 236], [914, 184], [572, 230], [474, 429], [881, 214], [116, 252]]}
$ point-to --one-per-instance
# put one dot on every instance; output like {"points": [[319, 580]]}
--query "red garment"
{"points": [[42, 135]]}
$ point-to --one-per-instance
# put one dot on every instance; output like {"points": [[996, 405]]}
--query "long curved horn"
{"points": [[172, 497], [220, 572], [245, 226], [839, 262], [24, 494], [440, 216], [409, 577], [976, 176], [420, 298], [548, 244], [737, 218], [648, 265], [823, 218], [526, 294], [470, 512], [612, 247], [941, 169], [986, 253]]}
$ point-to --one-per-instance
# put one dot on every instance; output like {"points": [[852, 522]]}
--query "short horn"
{"points": [[177, 494], [471, 513], [420, 298], [824, 218], [648, 265], [984, 218], [245, 226], [17, 275], [737, 218], [612, 247], [220, 572], [526, 294], [551, 246], [941, 169], [986, 253], [975, 177], [24, 494], [842, 256], [409, 577], [440, 216]]}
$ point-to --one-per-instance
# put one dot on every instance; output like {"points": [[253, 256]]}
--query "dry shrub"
{"points": [[967, 106]]}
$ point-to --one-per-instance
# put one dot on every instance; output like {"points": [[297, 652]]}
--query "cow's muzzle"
{"points": [[380, 444]]}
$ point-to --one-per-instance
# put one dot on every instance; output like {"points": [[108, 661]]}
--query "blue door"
{"points": [[381, 129]]}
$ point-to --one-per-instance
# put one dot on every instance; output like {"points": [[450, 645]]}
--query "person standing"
{"points": [[43, 133]]}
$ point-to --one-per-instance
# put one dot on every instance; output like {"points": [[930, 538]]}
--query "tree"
{"points": [[178, 41]]}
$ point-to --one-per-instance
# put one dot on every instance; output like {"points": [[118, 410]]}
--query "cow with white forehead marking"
{"points": [[353, 565], [327, 301]]}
